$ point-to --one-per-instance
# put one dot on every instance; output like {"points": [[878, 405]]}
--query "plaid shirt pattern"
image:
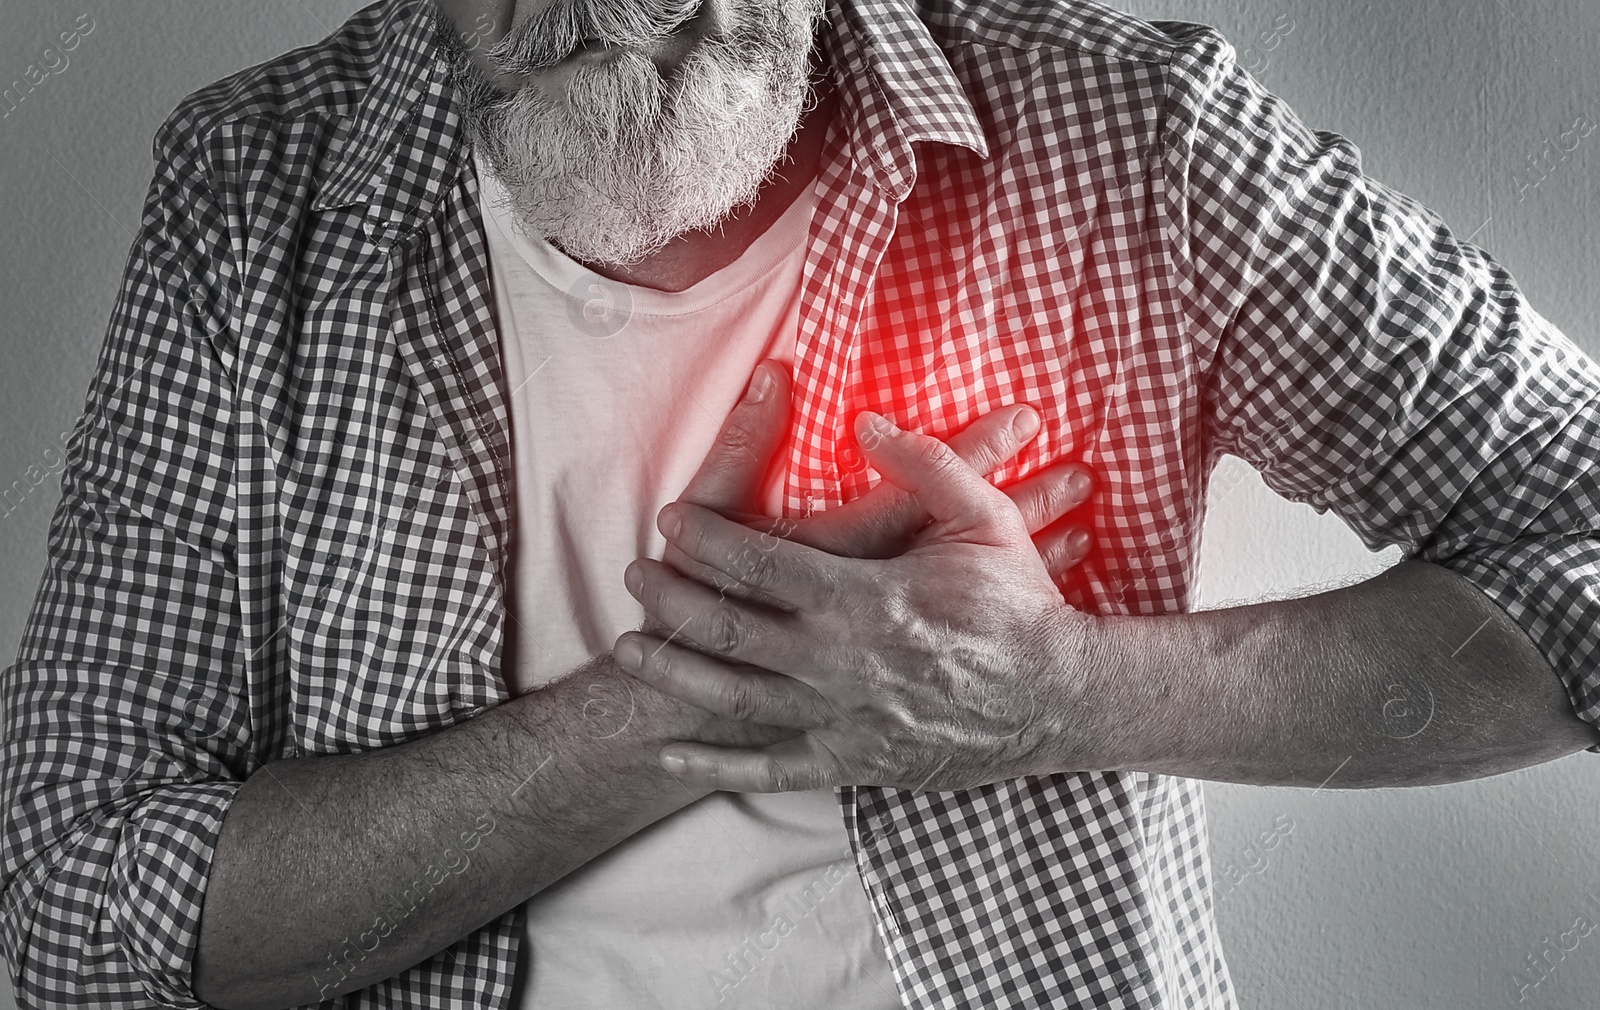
{"points": [[284, 513]]}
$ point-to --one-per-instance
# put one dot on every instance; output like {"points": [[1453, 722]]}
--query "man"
{"points": [[260, 748]]}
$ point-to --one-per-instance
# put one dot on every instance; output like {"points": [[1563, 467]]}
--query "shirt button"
{"points": [[381, 231]]}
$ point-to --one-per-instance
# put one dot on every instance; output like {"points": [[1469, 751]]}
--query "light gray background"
{"points": [[1412, 898]]}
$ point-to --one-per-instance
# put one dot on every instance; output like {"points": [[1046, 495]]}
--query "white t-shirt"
{"points": [[617, 393]]}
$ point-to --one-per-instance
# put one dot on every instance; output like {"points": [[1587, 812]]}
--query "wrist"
{"points": [[1075, 737], [662, 719]]}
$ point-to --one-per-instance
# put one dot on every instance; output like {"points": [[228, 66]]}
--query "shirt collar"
{"points": [[896, 88], [406, 70]]}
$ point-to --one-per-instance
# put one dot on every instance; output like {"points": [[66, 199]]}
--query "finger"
{"points": [[1061, 547], [791, 766], [798, 576], [951, 492], [1046, 496], [716, 623], [730, 475], [763, 529], [877, 523], [994, 438], [744, 693], [874, 525]]}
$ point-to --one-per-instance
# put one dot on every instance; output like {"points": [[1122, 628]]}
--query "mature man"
{"points": [[426, 322]]}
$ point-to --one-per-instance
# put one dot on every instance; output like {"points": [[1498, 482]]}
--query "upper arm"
{"points": [[125, 733], [1368, 362]]}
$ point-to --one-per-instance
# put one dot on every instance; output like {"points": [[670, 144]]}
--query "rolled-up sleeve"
{"points": [[125, 725], [1367, 361]]}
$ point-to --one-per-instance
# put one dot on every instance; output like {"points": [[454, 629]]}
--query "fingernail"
{"points": [[1079, 483], [760, 384], [1026, 423], [633, 579], [673, 764], [669, 522], [628, 654], [1078, 540]]}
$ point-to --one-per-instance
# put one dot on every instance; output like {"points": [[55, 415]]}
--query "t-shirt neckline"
{"points": [[564, 273]]}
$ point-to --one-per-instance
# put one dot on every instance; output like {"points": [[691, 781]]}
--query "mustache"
{"points": [[559, 30]]}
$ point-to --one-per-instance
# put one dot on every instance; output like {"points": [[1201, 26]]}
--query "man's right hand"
{"points": [[882, 522]]}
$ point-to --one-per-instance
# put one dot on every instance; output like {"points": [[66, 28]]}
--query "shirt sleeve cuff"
{"points": [[161, 866], [115, 918]]}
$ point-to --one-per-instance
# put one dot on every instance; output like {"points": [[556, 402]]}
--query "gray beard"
{"points": [[635, 160]]}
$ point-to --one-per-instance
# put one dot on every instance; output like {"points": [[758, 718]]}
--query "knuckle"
{"points": [[659, 661], [738, 559], [726, 631], [693, 536], [737, 434], [946, 466], [1006, 442], [933, 453], [898, 612], [1054, 499], [988, 451], [756, 567], [741, 703], [778, 777], [941, 459], [1001, 512], [778, 529], [798, 711], [723, 584], [829, 593]]}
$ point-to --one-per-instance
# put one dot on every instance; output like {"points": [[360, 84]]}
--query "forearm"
{"points": [[334, 872], [1414, 677]]}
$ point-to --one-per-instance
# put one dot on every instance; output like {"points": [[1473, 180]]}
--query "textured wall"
{"points": [[1414, 898], [1423, 897]]}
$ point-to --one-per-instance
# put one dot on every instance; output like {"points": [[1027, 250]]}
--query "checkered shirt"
{"points": [[285, 507]]}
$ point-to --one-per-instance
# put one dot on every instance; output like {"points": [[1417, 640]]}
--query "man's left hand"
{"points": [[951, 666]]}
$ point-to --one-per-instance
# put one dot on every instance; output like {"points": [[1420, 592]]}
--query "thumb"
{"points": [[729, 479], [951, 492]]}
